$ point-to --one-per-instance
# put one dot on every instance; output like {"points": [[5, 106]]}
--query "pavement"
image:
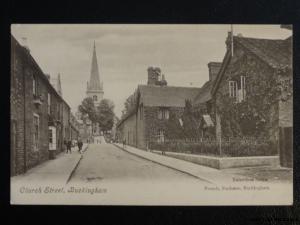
{"points": [[58, 170], [211, 175]]}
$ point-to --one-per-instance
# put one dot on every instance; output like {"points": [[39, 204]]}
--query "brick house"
{"points": [[252, 93], [156, 105], [36, 112]]}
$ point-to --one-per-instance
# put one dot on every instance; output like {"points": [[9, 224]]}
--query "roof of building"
{"points": [[276, 53], [27, 54], [167, 96], [203, 93]]}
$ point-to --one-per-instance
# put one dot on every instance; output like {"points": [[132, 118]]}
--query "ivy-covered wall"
{"points": [[170, 126], [258, 115]]}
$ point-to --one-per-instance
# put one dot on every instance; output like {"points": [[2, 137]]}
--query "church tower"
{"points": [[95, 86]]}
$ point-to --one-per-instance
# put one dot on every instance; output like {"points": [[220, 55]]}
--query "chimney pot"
{"points": [[153, 75]]}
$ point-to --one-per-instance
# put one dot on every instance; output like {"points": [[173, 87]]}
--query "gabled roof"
{"points": [[168, 96], [275, 53]]}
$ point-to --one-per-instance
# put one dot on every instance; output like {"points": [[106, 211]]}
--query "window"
{"points": [[95, 98], [58, 110], [242, 91], [237, 89], [36, 122], [34, 86], [233, 89], [49, 103], [161, 136], [52, 138], [163, 113]]}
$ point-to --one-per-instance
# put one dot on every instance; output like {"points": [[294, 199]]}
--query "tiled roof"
{"points": [[203, 93], [276, 53], [168, 96]]}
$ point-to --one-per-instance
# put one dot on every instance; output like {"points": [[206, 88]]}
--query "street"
{"points": [[109, 163]]}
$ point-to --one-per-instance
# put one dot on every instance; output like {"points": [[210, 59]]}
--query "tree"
{"points": [[189, 121], [175, 131], [87, 107], [105, 114], [130, 104]]}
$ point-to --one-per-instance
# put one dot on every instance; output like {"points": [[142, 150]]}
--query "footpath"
{"points": [[210, 175], [58, 170]]}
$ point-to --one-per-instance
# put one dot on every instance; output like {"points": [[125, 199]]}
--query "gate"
{"points": [[286, 146]]}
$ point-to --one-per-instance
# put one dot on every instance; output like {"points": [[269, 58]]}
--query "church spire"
{"points": [[94, 83]]}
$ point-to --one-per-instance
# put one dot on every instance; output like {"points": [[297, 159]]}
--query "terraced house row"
{"points": [[41, 119]]}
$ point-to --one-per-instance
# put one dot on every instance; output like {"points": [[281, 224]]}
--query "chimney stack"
{"points": [[153, 75], [213, 70]]}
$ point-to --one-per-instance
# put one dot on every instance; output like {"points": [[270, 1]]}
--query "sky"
{"points": [[124, 53]]}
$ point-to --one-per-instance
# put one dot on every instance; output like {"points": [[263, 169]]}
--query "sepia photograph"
{"points": [[151, 114]]}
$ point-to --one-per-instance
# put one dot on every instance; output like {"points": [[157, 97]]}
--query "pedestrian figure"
{"points": [[80, 144], [65, 143], [124, 143], [69, 145]]}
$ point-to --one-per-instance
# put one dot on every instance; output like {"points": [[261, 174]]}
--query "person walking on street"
{"points": [[69, 145], [124, 143], [80, 144]]}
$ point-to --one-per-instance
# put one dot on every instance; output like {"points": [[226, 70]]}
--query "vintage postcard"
{"points": [[157, 114]]}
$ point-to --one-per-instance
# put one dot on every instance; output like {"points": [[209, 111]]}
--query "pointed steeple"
{"points": [[94, 83]]}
